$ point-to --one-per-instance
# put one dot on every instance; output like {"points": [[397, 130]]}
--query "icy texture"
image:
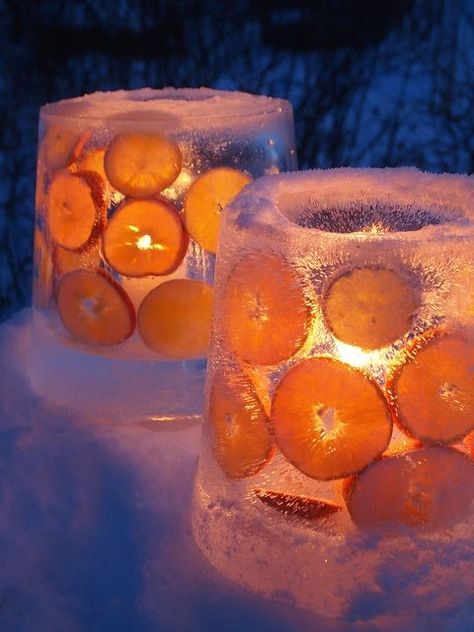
{"points": [[324, 225], [95, 533], [190, 107], [200, 130]]}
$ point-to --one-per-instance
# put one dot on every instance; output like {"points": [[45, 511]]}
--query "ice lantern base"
{"points": [[336, 471], [130, 186]]}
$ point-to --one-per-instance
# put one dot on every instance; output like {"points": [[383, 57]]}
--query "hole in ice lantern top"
{"points": [[366, 216]]}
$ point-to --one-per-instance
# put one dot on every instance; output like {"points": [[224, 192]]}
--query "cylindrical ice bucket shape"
{"points": [[336, 470], [130, 189]]}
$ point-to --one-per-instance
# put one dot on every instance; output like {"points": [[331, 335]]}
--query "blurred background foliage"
{"points": [[373, 82]]}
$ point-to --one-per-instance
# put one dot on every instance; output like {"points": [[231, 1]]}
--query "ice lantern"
{"points": [[336, 470], [130, 187]]}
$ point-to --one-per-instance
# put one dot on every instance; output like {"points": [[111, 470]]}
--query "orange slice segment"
{"points": [[370, 307], [43, 271], [208, 195], [144, 237], [174, 319], [68, 260], [94, 308], [313, 509], [428, 489], [57, 146], [434, 391], [141, 165], [264, 311], [240, 436], [329, 419], [76, 209], [91, 160]]}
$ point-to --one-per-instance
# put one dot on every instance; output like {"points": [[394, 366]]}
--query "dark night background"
{"points": [[373, 82]]}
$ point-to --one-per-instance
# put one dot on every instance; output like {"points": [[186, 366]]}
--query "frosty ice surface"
{"points": [[130, 189], [337, 448]]}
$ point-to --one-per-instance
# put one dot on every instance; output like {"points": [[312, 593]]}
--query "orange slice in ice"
{"points": [[144, 237], [329, 419], [434, 391], [76, 209], [370, 307], [68, 260], [429, 488], [94, 308], [240, 436], [57, 146], [141, 165], [313, 509], [264, 312], [174, 319], [207, 197], [91, 160], [43, 282]]}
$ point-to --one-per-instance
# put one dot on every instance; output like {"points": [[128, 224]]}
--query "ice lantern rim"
{"points": [[182, 106], [282, 201]]}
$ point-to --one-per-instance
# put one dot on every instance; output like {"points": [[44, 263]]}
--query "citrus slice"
{"points": [[264, 311], [313, 509], [43, 272], [329, 419], [76, 209], [57, 146], [91, 160], [144, 237], [434, 391], [141, 165], [240, 436], [68, 260], [208, 195], [174, 319], [94, 308], [369, 307], [428, 489]]}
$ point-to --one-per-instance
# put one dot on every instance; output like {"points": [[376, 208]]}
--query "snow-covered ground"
{"points": [[94, 527]]}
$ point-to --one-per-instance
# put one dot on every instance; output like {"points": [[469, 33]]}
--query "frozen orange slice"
{"points": [[208, 195], [76, 209], [174, 319], [91, 160], [94, 308], [144, 237], [141, 165], [264, 312], [43, 282], [434, 391], [58, 145], [329, 419], [313, 509], [429, 488], [468, 443], [239, 428], [370, 307], [68, 260]]}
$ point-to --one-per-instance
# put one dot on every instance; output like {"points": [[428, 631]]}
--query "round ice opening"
{"points": [[172, 97], [367, 216]]}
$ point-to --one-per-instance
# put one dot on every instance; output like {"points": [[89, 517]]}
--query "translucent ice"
{"points": [[336, 470], [130, 190]]}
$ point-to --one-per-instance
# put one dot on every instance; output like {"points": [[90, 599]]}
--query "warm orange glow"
{"points": [[174, 319], [142, 165], [145, 237], [355, 356], [179, 186], [209, 194]]}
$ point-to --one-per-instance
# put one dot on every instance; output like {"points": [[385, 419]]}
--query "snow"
{"points": [[95, 531], [192, 107]]}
